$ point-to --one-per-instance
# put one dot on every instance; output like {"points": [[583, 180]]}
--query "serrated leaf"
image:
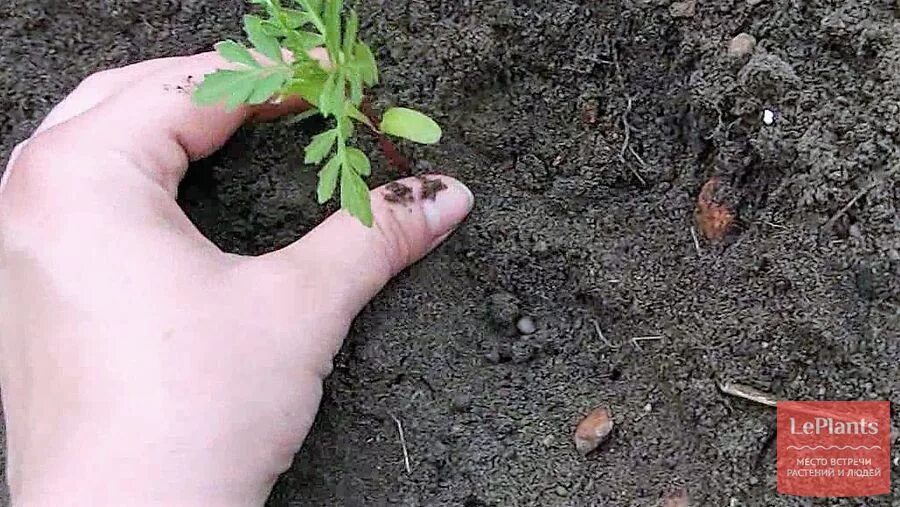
{"points": [[359, 161], [235, 52], [273, 29], [332, 98], [262, 41], [240, 92], [266, 88], [355, 197], [230, 86], [351, 31], [309, 90], [320, 147], [313, 6], [365, 63], [332, 20], [356, 88], [411, 124], [299, 42], [348, 129], [355, 113], [328, 180], [294, 19]]}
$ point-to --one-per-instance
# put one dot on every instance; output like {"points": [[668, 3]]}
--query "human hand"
{"points": [[141, 365]]}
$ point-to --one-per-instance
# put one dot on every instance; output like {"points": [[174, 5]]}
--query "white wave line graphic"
{"points": [[835, 447]]}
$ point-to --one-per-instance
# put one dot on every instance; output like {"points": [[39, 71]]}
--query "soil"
{"points": [[587, 131]]}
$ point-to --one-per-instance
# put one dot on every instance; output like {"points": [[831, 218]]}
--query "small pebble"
{"points": [[768, 117], [593, 430], [753, 3], [648, 408], [683, 9], [526, 325], [742, 45]]}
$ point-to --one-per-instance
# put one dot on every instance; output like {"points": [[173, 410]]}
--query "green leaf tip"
{"points": [[411, 124]]}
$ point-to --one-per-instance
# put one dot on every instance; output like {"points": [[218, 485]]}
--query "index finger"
{"points": [[155, 123]]}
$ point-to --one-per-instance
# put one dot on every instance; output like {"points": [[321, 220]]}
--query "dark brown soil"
{"points": [[431, 187], [586, 131], [398, 193]]}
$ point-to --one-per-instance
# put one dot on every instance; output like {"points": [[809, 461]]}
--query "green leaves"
{"points": [[359, 161], [364, 61], [262, 41], [355, 197], [236, 53], [351, 31], [328, 180], [320, 146], [261, 72], [412, 125], [236, 87], [331, 99], [332, 20]]}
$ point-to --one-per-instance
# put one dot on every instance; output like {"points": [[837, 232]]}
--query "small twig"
{"points": [[748, 393], [403, 444], [600, 334], [859, 195], [637, 339], [696, 241], [626, 147]]}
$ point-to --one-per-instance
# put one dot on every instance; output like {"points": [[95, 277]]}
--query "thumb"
{"points": [[350, 262]]}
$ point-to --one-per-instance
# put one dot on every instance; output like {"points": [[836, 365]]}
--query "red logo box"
{"points": [[834, 448]]}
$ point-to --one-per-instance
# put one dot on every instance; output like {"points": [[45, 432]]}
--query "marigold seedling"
{"points": [[335, 90]]}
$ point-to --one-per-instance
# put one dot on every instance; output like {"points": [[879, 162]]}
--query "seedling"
{"points": [[281, 67]]}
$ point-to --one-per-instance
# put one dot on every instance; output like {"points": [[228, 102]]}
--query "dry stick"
{"points": [[600, 334], [403, 444], [862, 193], [638, 339], [626, 144], [748, 393], [696, 241]]}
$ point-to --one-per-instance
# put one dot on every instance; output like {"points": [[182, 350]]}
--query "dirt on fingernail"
{"points": [[431, 187]]}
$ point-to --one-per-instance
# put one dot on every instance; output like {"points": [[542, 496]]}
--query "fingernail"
{"points": [[448, 208]]}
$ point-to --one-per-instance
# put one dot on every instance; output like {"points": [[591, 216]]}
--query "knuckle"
{"points": [[32, 183], [98, 81], [395, 242]]}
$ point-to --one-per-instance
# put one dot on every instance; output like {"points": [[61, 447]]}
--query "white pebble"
{"points": [[768, 117], [526, 325]]}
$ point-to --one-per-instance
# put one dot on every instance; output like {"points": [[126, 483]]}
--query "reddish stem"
{"points": [[394, 157]]}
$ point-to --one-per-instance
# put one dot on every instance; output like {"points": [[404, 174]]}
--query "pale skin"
{"points": [[140, 365]]}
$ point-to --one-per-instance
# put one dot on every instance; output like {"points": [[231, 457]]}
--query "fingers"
{"points": [[92, 91], [353, 262], [100, 86], [153, 122]]}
